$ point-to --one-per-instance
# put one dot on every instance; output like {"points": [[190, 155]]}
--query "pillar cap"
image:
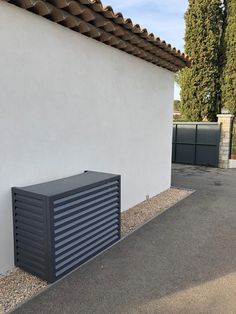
{"points": [[225, 115]]}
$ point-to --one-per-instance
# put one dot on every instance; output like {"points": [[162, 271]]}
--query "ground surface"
{"points": [[136, 216], [183, 261], [18, 285]]}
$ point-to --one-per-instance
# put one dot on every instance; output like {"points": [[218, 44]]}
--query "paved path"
{"points": [[183, 261]]}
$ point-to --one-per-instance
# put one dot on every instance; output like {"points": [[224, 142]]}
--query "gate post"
{"points": [[225, 120]]}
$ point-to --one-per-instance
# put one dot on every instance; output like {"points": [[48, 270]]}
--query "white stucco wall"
{"points": [[69, 103]]}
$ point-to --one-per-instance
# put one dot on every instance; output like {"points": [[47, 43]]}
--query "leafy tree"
{"points": [[200, 84], [176, 105], [228, 81]]}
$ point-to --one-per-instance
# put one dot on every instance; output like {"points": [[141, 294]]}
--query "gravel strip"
{"points": [[141, 213], [17, 286]]}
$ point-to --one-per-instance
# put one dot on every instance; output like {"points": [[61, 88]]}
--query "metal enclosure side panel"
{"points": [[13, 191], [50, 252], [30, 235], [119, 207]]}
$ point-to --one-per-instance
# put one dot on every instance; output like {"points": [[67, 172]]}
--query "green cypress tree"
{"points": [[200, 83], [228, 81]]}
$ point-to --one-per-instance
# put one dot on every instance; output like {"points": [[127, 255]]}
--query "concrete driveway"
{"points": [[183, 261]]}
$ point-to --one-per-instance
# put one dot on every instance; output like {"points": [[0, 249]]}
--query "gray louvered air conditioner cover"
{"points": [[61, 224]]}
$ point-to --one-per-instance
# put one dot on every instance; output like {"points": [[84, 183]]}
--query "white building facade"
{"points": [[69, 103]]}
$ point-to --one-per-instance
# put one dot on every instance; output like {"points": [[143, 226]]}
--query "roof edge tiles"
{"points": [[91, 18]]}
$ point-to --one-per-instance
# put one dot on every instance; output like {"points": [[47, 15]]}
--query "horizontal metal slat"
{"points": [[81, 252], [88, 200], [27, 214], [76, 253], [31, 269], [30, 255], [28, 261], [62, 267], [83, 241], [32, 245], [72, 233], [90, 230], [28, 221], [85, 209], [32, 230], [39, 250], [86, 192], [28, 200], [197, 144], [35, 209], [29, 239], [85, 222], [84, 216]]}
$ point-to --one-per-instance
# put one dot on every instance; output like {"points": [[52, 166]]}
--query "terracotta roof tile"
{"points": [[92, 19]]}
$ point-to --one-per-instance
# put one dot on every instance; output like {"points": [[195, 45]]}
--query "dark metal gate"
{"points": [[196, 143]]}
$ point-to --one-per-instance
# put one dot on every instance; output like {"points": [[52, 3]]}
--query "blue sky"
{"points": [[164, 18]]}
